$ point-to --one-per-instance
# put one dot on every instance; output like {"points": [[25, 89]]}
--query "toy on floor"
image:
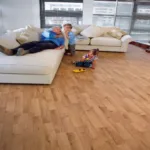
{"points": [[79, 70]]}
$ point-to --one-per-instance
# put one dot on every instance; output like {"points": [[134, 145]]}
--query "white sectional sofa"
{"points": [[39, 68], [97, 37]]}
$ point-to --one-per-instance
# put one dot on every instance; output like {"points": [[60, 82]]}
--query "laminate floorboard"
{"points": [[103, 109]]}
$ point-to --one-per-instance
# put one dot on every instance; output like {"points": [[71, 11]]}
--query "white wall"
{"points": [[87, 11], [1, 19], [19, 13]]}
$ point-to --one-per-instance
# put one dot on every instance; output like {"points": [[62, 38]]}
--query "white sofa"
{"points": [[39, 68], [100, 39]]}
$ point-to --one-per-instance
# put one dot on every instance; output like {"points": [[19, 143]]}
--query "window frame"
{"points": [[52, 13]]}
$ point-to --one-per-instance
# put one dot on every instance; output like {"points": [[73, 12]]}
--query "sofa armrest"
{"points": [[126, 38], [125, 42]]}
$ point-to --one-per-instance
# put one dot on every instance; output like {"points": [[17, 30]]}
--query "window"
{"points": [[104, 8], [125, 8], [104, 12], [141, 24], [140, 27], [113, 13], [143, 9], [103, 20], [124, 12], [60, 12], [133, 16], [123, 22]]}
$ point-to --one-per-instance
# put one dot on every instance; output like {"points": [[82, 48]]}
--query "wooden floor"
{"points": [[103, 109]]}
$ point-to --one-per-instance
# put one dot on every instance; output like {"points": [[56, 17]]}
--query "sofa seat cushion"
{"points": [[106, 41], [41, 63]]}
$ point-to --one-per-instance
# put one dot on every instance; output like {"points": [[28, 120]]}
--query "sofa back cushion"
{"points": [[28, 36], [77, 29], [33, 28], [8, 40], [92, 31]]}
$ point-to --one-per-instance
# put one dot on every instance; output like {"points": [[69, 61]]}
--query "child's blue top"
{"points": [[71, 38], [49, 35]]}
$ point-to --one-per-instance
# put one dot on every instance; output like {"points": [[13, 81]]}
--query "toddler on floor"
{"points": [[88, 60]]}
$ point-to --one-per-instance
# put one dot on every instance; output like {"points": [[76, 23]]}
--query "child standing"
{"points": [[88, 60], [71, 38]]}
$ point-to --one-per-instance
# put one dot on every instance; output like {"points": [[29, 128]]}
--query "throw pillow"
{"points": [[117, 33], [33, 28], [28, 36], [106, 30], [92, 31], [123, 32], [76, 30], [17, 31]]}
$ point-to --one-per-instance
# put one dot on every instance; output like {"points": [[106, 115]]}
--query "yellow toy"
{"points": [[79, 70]]}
